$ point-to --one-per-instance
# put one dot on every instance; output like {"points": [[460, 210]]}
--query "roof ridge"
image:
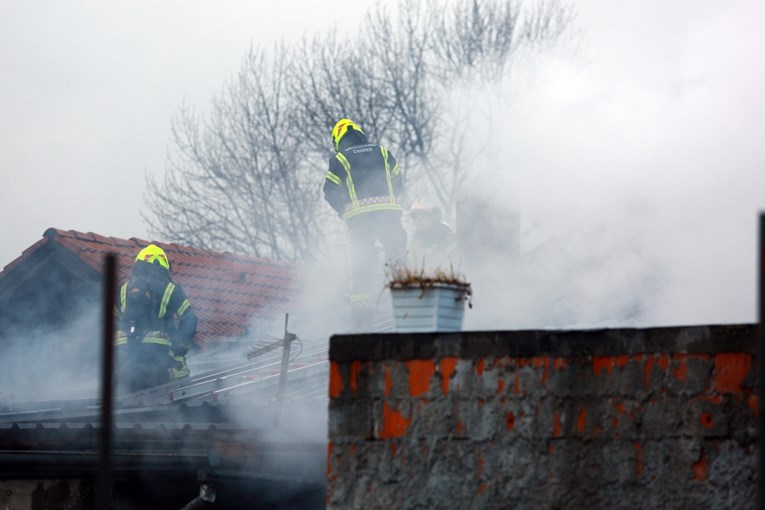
{"points": [[184, 249], [52, 232], [141, 242], [248, 256]]}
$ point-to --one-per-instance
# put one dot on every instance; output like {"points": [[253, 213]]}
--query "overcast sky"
{"points": [[89, 87], [663, 111]]}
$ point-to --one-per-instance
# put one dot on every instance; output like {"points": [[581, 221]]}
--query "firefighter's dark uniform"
{"points": [[364, 186], [434, 246], [151, 343]]}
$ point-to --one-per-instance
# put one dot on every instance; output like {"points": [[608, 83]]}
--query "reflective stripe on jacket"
{"points": [[160, 328], [363, 178]]}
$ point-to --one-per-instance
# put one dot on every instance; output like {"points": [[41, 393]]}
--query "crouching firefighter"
{"points": [[364, 185], [155, 325]]}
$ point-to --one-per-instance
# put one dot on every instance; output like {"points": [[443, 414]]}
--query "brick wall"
{"points": [[651, 418]]}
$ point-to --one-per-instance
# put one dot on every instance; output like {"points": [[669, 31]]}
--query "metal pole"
{"points": [[285, 360], [761, 362], [107, 373], [288, 338]]}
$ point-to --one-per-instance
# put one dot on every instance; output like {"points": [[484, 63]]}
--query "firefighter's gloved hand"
{"points": [[179, 349]]}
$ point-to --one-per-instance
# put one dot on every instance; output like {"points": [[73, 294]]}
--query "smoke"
{"points": [[629, 172], [618, 181], [49, 363]]}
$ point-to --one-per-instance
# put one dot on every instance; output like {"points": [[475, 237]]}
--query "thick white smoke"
{"points": [[636, 169], [47, 363]]}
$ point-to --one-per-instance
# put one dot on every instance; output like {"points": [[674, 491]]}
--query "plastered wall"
{"points": [[654, 418]]}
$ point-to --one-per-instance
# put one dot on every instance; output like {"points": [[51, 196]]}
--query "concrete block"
{"points": [[433, 419], [479, 420], [577, 379], [396, 377], [707, 417], [617, 375], [660, 416], [350, 419], [734, 470], [525, 421], [690, 374], [461, 381]]}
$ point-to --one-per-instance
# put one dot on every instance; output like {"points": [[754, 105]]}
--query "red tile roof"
{"points": [[229, 292]]}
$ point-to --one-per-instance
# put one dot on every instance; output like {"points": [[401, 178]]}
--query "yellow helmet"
{"points": [[153, 254], [341, 128]]}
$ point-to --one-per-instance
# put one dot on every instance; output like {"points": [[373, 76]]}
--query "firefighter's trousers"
{"points": [[140, 366], [366, 269]]}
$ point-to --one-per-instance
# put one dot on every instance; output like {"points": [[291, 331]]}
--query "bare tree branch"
{"points": [[247, 177]]}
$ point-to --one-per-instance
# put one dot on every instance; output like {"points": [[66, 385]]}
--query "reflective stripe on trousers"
{"points": [[183, 371]]}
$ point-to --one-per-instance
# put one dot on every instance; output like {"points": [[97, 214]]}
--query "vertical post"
{"points": [[285, 360], [288, 338], [761, 362], [107, 373]]}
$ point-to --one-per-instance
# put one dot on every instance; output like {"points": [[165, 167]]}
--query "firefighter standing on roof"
{"points": [[434, 242], [155, 324], [364, 186]]}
